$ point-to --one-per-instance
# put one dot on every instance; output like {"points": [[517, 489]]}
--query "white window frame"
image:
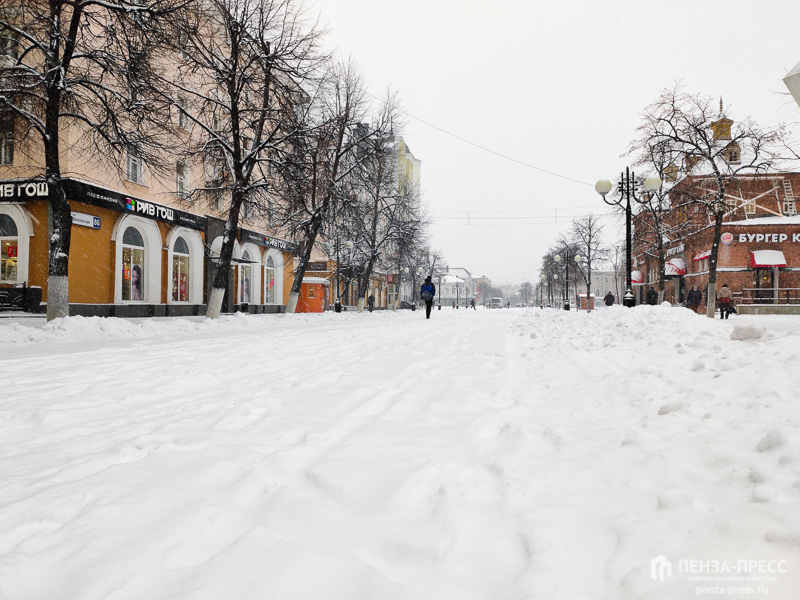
{"points": [[280, 265], [182, 187], [24, 232], [6, 151], [182, 106], [255, 274], [151, 236], [7, 142], [196, 248], [134, 162], [749, 207]]}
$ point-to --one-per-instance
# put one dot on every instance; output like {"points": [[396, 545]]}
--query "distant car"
{"points": [[496, 303]]}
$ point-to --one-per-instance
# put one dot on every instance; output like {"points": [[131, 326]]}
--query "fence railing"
{"points": [[770, 296]]}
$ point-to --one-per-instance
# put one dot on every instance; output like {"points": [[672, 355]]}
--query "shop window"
{"points": [[132, 265], [312, 291], [182, 181], [180, 270], [7, 142], [9, 249], [135, 167], [269, 282], [245, 279]]}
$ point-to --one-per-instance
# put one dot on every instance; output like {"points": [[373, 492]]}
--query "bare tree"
{"points": [[386, 211], [586, 235], [319, 186], [713, 152], [78, 70], [238, 92], [653, 229]]}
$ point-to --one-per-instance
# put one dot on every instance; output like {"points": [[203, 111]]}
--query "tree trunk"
{"points": [[711, 303], [363, 284], [662, 266], [61, 232], [225, 255], [305, 256]]}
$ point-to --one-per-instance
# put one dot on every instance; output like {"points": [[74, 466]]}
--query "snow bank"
{"points": [[482, 454]]}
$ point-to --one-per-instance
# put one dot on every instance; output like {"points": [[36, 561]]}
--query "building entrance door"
{"points": [[765, 284]]}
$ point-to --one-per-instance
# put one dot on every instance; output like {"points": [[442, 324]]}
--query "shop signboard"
{"points": [[103, 198], [758, 238], [269, 241], [85, 220], [15, 191]]}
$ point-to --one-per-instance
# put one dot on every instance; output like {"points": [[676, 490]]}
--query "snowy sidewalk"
{"points": [[481, 454]]}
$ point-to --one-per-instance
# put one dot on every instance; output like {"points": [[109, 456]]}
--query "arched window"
{"points": [[270, 297], [245, 278], [132, 265], [180, 270], [9, 249]]}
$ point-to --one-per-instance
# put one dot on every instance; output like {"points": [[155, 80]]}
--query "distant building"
{"points": [[459, 287]]}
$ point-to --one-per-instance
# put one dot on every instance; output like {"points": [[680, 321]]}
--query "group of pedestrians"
{"points": [[695, 297]]}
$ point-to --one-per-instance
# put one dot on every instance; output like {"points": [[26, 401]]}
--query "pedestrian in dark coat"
{"points": [[652, 296], [371, 302], [428, 293], [694, 298], [609, 299]]}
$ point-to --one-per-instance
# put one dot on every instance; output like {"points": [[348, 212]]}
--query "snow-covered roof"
{"points": [[316, 280], [452, 279], [793, 220]]}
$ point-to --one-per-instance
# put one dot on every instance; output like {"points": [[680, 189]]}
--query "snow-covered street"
{"points": [[518, 453]]}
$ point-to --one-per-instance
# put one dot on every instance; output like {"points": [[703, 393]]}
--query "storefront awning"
{"points": [[703, 255], [767, 258], [675, 266], [637, 277]]}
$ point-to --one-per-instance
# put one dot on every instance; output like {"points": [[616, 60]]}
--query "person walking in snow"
{"points": [[609, 298], [652, 296], [427, 293], [725, 299], [694, 298], [371, 302], [472, 304]]}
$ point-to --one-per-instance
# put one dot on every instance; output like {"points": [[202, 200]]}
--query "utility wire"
{"points": [[484, 148]]}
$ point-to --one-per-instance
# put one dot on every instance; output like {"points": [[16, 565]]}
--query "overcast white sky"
{"points": [[558, 85]]}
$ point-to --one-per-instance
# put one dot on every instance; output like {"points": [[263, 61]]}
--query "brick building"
{"points": [[759, 253]]}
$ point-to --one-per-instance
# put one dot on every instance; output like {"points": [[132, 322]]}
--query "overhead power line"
{"points": [[489, 150]]}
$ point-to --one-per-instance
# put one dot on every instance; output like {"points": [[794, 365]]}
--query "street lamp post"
{"points": [[541, 291], [337, 305], [577, 259], [627, 190]]}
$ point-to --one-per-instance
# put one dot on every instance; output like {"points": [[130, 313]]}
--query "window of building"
{"points": [[750, 207], [312, 291], [9, 49], [183, 40], [135, 167], [132, 265], [183, 107], [180, 270], [390, 294], [270, 296], [9, 249], [182, 181], [7, 142], [245, 279]]}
